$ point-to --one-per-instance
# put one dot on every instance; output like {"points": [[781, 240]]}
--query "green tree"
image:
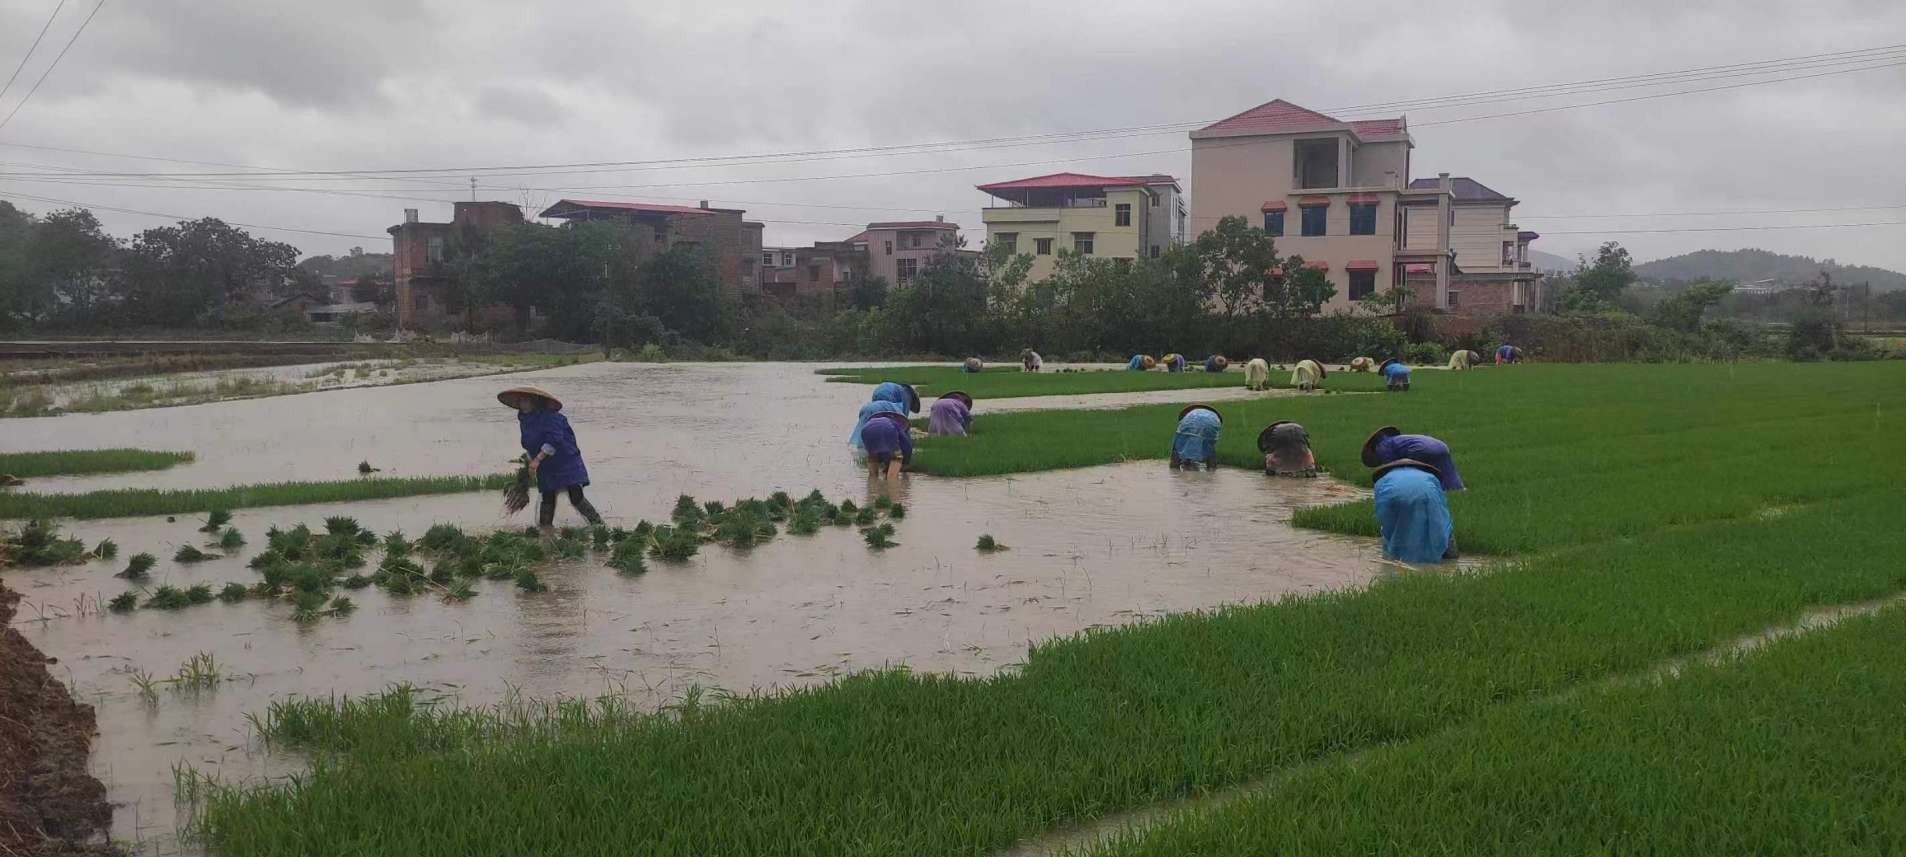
{"points": [[1239, 265], [868, 292], [1683, 311], [943, 310], [562, 271], [1597, 285], [186, 274]]}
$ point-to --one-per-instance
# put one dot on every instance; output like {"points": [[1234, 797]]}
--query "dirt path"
{"points": [[49, 803]]}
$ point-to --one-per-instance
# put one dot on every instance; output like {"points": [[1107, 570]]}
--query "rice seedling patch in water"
{"points": [[189, 554], [199, 672], [571, 549], [167, 597], [341, 525], [988, 544], [880, 537], [106, 549], [38, 543], [897, 511], [139, 566], [231, 539], [627, 557], [527, 581], [124, 602], [234, 593], [342, 606], [674, 544], [216, 519], [364, 468], [77, 462], [137, 502]]}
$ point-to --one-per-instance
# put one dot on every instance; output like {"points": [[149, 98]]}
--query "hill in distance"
{"points": [[1746, 266]]}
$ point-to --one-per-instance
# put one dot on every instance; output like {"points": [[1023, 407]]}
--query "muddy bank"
{"points": [[49, 803]]}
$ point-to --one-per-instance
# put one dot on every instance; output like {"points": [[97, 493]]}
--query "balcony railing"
{"points": [[1082, 202]]}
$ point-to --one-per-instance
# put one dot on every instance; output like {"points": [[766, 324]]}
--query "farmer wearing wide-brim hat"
{"points": [[554, 457], [1216, 363], [1307, 375], [1413, 513], [1286, 448], [889, 397], [951, 415], [1196, 441], [1397, 373], [1389, 443]]}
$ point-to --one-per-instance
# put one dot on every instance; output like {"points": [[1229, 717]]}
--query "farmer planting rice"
{"points": [[1174, 363], [1389, 444], [973, 364], [1196, 441], [889, 444], [1462, 359], [1141, 363], [1216, 363], [889, 397], [1307, 375], [1397, 374], [1413, 513], [951, 415], [1362, 364], [554, 457], [1286, 448], [1508, 354], [1257, 374], [1029, 360]]}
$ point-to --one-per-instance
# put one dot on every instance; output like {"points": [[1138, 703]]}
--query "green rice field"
{"points": [[1645, 514], [77, 462], [1009, 382], [131, 502]]}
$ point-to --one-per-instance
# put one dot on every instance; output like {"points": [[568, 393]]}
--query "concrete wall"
{"points": [[885, 247], [1381, 165], [1477, 236], [1236, 176], [1337, 247], [1109, 240], [1419, 231]]}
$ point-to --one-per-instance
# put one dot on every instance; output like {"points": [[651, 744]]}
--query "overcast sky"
{"points": [[396, 84]]}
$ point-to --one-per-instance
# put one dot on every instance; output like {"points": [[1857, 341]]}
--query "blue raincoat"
{"points": [[563, 467], [1211, 364], [1137, 364], [1197, 437], [1422, 447], [1396, 370], [889, 398], [1413, 514]]}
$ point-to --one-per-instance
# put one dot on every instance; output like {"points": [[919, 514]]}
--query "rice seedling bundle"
{"points": [[231, 539], [527, 581], [987, 544], [167, 598], [215, 520], [342, 606], [341, 525], [107, 549], [516, 493], [38, 543], [139, 566], [124, 602], [442, 537], [233, 593], [879, 538], [674, 544], [189, 554], [627, 558]]}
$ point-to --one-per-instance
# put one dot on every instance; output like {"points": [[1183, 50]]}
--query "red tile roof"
{"points": [[1282, 117], [640, 207], [1075, 180]]}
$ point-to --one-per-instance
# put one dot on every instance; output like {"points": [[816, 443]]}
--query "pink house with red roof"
{"points": [[898, 250], [1339, 194], [1113, 217]]}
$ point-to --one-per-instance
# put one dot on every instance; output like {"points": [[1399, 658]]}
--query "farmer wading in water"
{"points": [[553, 454]]}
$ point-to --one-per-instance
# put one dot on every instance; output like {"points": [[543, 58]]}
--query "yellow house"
{"points": [[1111, 217]]}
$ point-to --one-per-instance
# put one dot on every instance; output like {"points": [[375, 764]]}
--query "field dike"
{"points": [[1132, 826], [49, 803]]}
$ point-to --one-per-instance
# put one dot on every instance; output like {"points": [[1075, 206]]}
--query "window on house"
{"points": [[1314, 220], [1155, 199], [1274, 223], [1453, 295], [767, 260], [1082, 243], [1154, 251], [1362, 284], [913, 240], [889, 248], [1122, 214], [433, 249], [904, 269], [1042, 246], [1008, 240], [1363, 219], [1508, 253], [661, 235]]}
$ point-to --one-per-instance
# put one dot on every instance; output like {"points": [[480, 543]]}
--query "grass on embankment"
{"points": [[73, 462], [1791, 750], [134, 502], [1552, 455], [901, 764], [1009, 383]]}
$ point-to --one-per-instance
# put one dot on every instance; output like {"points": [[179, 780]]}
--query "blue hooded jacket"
{"points": [[563, 467], [1413, 515], [1197, 436]]}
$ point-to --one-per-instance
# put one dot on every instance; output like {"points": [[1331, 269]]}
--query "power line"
{"points": [[90, 205], [1764, 67], [31, 48], [1730, 228], [1715, 212], [55, 64]]}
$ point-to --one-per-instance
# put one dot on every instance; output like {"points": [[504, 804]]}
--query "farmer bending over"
{"points": [[1397, 374], [553, 455], [1508, 354], [1362, 364], [1307, 375], [1286, 448], [1257, 374], [889, 397], [1413, 513], [1216, 363], [1196, 441], [889, 445], [1141, 363], [1029, 360], [1174, 363], [952, 415], [1389, 444], [1463, 359]]}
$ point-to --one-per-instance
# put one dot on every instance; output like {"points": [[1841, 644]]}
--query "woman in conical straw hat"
{"points": [[553, 455]]}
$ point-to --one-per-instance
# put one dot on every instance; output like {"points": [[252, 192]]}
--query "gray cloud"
{"points": [[433, 83]]}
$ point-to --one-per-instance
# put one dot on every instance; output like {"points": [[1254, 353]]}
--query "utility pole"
{"points": [[473, 188]]}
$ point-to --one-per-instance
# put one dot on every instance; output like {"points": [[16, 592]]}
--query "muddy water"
{"points": [[1090, 547]]}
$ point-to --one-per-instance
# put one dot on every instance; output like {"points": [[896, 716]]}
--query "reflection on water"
{"points": [[1089, 547]]}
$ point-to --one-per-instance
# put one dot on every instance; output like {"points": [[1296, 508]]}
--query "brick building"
{"points": [[825, 268], [897, 250], [733, 244], [421, 251]]}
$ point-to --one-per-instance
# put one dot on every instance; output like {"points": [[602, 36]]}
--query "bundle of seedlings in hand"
{"points": [[516, 494], [627, 556], [107, 549], [233, 593], [879, 538], [190, 554], [216, 520], [231, 539], [138, 566], [39, 543], [987, 544], [124, 602]]}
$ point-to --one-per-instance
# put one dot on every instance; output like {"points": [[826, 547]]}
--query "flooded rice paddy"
{"points": [[1092, 547]]}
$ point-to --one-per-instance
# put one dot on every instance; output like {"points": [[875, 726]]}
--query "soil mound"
{"points": [[49, 803]]}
